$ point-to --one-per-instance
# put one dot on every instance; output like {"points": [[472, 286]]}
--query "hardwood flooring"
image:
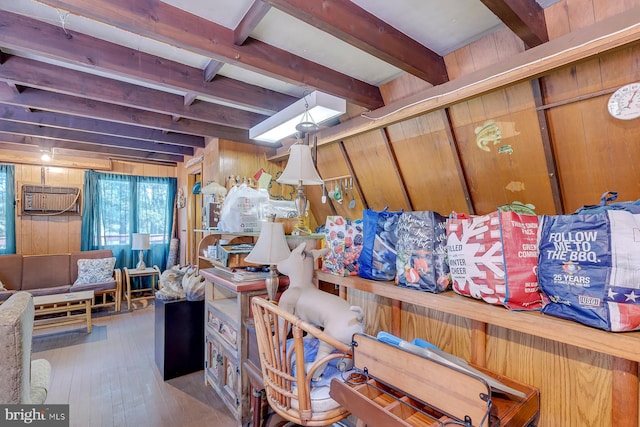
{"points": [[109, 377]]}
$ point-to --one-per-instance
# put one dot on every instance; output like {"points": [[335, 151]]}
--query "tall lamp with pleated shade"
{"points": [[270, 249], [300, 171]]}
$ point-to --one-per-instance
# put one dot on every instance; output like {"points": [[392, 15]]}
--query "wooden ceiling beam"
{"points": [[28, 72], [354, 25], [69, 122], [254, 15], [13, 87], [211, 70], [580, 45], [189, 99], [55, 102], [91, 138], [108, 151], [23, 154], [24, 34], [160, 21], [524, 17]]}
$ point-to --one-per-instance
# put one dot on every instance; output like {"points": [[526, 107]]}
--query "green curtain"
{"points": [[8, 209], [116, 206]]}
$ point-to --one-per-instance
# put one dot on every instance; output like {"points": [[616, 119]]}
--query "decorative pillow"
{"points": [[95, 270]]}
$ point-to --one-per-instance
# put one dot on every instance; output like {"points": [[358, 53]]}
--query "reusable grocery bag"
{"points": [[377, 259], [494, 258], [606, 203], [421, 261], [343, 237], [589, 268]]}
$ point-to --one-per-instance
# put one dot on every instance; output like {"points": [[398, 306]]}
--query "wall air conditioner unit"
{"points": [[50, 200]]}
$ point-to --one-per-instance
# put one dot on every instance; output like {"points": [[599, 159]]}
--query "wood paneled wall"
{"points": [[52, 234], [560, 119], [221, 159], [559, 150]]}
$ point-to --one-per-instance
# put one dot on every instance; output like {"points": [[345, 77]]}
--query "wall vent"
{"points": [[50, 200]]}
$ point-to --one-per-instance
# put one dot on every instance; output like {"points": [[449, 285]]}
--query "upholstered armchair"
{"points": [[22, 381]]}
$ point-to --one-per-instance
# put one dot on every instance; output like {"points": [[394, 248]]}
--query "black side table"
{"points": [[179, 337]]}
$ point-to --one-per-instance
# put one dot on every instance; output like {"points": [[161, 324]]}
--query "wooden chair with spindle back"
{"points": [[290, 391]]}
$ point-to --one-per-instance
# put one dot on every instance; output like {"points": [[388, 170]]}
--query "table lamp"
{"points": [[270, 249], [300, 171], [140, 242]]}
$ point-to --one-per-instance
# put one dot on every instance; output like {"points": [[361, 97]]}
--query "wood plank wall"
{"points": [[437, 160], [434, 162], [37, 235], [221, 159]]}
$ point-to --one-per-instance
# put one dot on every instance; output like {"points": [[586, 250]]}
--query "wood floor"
{"points": [[109, 377]]}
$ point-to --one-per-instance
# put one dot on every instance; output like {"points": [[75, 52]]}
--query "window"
{"points": [[115, 213], [7, 210], [116, 206]]}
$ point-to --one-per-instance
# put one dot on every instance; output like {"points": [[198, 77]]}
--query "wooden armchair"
{"points": [[289, 389]]}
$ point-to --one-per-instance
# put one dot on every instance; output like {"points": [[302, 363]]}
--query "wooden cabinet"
{"points": [[227, 307]]}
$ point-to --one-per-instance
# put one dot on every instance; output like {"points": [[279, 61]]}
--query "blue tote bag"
{"points": [[378, 257]]}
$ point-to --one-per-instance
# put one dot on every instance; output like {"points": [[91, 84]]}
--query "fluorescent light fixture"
{"points": [[321, 106]]}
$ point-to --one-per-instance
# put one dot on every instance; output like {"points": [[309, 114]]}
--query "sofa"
{"points": [[62, 273], [22, 381]]}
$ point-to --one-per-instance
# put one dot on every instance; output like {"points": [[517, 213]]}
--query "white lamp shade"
{"points": [[271, 247], [321, 106], [140, 242], [300, 167]]}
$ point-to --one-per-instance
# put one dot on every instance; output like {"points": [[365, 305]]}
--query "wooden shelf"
{"points": [[623, 345], [215, 232]]}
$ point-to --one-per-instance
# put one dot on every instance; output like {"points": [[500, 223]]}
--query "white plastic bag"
{"points": [[241, 210]]}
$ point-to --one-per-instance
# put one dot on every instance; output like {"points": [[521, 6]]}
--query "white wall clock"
{"points": [[624, 103]]}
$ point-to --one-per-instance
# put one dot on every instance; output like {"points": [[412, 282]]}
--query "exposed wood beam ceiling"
{"points": [[159, 21], [150, 80], [612, 33], [346, 21], [525, 18], [70, 122], [49, 101], [251, 19], [38, 38], [27, 72], [96, 148]]}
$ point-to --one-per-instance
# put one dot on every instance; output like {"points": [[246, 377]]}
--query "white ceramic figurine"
{"points": [[320, 308]]}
